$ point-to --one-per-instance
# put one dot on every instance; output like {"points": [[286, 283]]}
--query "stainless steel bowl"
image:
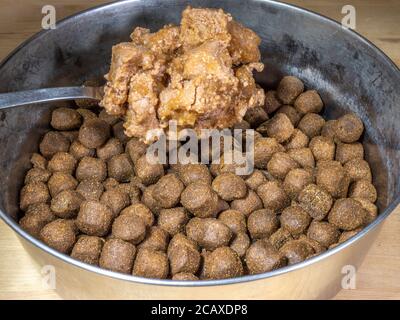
{"points": [[349, 72]]}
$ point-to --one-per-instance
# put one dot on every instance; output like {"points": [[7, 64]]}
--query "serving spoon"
{"points": [[21, 98]]}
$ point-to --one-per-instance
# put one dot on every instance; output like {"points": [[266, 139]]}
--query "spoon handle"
{"points": [[21, 98]]}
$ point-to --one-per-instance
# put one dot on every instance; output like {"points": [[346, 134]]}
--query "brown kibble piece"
{"points": [[363, 189], [62, 162], [279, 127], [66, 204], [210, 233], [328, 130], [70, 135], [240, 244], [316, 201], [120, 168], [85, 113], [318, 248], [37, 175], [370, 208], [91, 168], [200, 199], [346, 235], [110, 183], [296, 180], [149, 201], [116, 200], [173, 220], [156, 239], [90, 189], [323, 232], [59, 235], [309, 101], [111, 148], [323, 148], [78, 150], [289, 89], [248, 204], [271, 101], [119, 132], [151, 264], [347, 214], [148, 173], [184, 276], [141, 211], [263, 257], [65, 119], [273, 196], [296, 251], [235, 220], [229, 186], [117, 255], [183, 255], [280, 164], [358, 169], [167, 191], [94, 218], [52, 143], [35, 218], [129, 227], [132, 190], [293, 115], [110, 119], [264, 148], [280, 237], [349, 128], [223, 263], [189, 173], [333, 178], [297, 140], [303, 156], [295, 220], [87, 249], [255, 116], [311, 124], [135, 149], [349, 151], [262, 223], [38, 161], [256, 179], [94, 133], [33, 193]]}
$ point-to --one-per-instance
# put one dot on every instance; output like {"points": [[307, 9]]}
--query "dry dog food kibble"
{"points": [[229, 186], [262, 223], [183, 255], [151, 264], [59, 234], [88, 249], [94, 218], [93, 193], [200, 199], [263, 257], [223, 263], [117, 255], [94, 133], [36, 217]]}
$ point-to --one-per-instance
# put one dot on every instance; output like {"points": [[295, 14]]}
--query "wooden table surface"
{"points": [[378, 20]]}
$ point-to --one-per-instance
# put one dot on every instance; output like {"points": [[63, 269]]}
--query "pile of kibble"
{"points": [[92, 194]]}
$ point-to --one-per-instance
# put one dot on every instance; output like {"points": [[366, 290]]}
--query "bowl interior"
{"points": [[349, 73]]}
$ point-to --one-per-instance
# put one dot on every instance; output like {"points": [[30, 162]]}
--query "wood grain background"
{"points": [[377, 20]]}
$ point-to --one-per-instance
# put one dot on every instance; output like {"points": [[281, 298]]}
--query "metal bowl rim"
{"points": [[204, 283]]}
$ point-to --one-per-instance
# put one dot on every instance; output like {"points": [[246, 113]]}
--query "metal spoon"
{"points": [[21, 98]]}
